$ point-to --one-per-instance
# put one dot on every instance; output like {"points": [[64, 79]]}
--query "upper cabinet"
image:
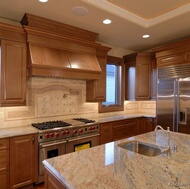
{"points": [[13, 66], [173, 54], [138, 78]]}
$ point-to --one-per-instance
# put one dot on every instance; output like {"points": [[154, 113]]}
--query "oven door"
{"points": [[82, 142], [48, 150]]}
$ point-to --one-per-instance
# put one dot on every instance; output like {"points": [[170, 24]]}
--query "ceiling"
{"points": [[164, 20]]}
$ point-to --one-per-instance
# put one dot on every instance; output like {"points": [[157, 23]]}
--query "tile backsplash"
{"points": [[53, 99]]}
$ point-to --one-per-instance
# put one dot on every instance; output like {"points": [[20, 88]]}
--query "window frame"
{"points": [[112, 108]]}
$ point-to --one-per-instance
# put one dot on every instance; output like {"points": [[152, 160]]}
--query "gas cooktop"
{"points": [[59, 123], [51, 125]]}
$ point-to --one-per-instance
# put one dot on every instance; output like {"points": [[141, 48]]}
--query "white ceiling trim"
{"points": [[127, 15]]}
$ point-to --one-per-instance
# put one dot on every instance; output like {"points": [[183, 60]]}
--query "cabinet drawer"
{"points": [[4, 144], [4, 160], [127, 129]]}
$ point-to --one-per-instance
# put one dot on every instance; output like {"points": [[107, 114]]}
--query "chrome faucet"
{"points": [[166, 149]]}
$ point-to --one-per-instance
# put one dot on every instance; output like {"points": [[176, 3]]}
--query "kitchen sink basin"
{"points": [[141, 148]]}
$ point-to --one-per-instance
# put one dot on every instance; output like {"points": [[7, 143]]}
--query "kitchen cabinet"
{"points": [[12, 65], [106, 132], [13, 73], [173, 54], [4, 163], [138, 76], [145, 125], [23, 161], [96, 89], [124, 129], [51, 182], [116, 130]]}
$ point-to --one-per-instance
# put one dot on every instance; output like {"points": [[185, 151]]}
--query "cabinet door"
{"points": [[143, 73], [4, 179], [105, 133], [96, 89], [23, 161], [153, 79], [13, 73], [4, 163], [148, 125], [124, 128]]}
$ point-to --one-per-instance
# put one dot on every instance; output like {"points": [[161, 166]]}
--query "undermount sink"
{"points": [[141, 148]]}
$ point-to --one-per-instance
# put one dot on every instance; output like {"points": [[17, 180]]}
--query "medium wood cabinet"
{"points": [[173, 54], [145, 125], [138, 76], [124, 129], [51, 182], [106, 132], [23, 161], [13, 73], [96, 89], [4, 163], [116, 130]]}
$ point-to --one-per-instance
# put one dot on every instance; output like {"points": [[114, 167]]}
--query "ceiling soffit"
{"points": [[133, 14]]}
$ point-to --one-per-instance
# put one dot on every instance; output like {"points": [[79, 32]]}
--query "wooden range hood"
{"points": [[60, 50]]}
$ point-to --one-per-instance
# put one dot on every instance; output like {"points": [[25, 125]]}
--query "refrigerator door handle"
{"points": [[183, 116]]}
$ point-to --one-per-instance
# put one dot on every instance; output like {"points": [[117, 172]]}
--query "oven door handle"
{"points": [[52, 144], [84, 137]]}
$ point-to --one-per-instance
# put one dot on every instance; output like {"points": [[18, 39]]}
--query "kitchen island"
{"points": [[112, 167]]}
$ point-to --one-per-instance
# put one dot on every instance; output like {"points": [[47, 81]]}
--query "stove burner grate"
{"points": [[50, 125], [84, 120]]}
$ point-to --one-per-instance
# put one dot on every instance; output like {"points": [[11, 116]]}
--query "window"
{"points": [[114, 85]]}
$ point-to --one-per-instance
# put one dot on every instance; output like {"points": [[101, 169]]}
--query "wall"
{"points": [[54, 99]]}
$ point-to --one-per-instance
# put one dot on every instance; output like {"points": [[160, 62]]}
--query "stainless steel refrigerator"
{"points": [[173, 103]]}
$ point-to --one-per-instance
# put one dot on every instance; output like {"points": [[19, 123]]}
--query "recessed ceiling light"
{"points": [[43, 1], [146, 36], [107, 21], [79, 11]]}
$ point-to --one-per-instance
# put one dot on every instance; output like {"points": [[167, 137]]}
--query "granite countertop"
{"points": [[28, 129], [111, 167], [17, 131]]}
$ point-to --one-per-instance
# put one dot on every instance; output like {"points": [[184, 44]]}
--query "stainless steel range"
{"points": [[60, 137]]}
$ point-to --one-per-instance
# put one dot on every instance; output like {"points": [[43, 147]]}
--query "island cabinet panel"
{"points": [[105, 132], [13, 73], [138, 76], [23, 161], [4, 163], [51, 182], [124, 128]]}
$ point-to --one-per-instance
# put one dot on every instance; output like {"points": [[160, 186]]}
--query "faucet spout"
{"points": [[167, 135]]}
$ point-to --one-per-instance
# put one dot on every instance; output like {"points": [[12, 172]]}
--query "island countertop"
{"points": [[112, 167]]}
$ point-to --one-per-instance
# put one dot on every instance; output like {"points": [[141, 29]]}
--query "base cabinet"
{"points": [[106, 132], [146, 125], [117, 130], [51, 182], [23, 161], [4, 163]]}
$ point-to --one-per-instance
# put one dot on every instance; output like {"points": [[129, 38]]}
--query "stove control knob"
{"points": [[75, 132], [80, 130], [93, 128], [57, 135], [90, 128], [47, 135], [52, 135], [67, 132], [63, 133]]}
